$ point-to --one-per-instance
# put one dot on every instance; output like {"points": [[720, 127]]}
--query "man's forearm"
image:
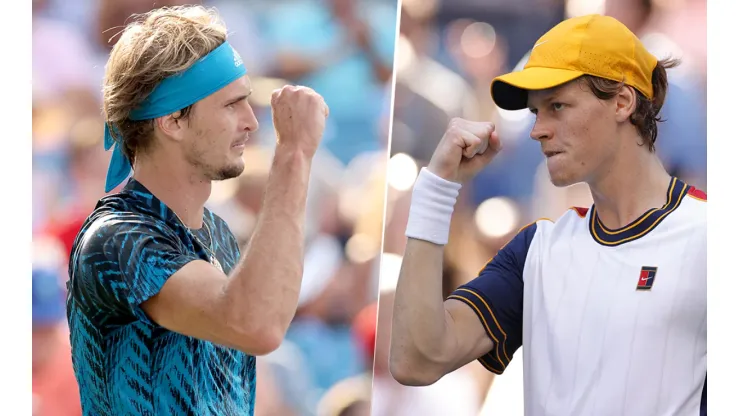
{"points": [[262, 292], [420, 343]]}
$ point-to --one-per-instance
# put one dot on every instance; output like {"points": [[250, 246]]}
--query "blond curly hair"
{"points": [[155, 45]]}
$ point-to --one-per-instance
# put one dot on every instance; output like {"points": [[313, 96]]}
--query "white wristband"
{"points": [[432, 202]]}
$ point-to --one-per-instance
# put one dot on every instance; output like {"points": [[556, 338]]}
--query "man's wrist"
{"points": [[432, 203], [447, 174], [288, 154]]}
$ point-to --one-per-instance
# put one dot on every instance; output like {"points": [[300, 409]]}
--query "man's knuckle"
{"points": [[455, 131]]}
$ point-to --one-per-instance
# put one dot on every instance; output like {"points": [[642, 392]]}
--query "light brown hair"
{"points": [[646, 116], [156, 45]]}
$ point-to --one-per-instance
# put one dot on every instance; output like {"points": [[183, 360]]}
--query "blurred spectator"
{"points": [[269, 395], [480, 53], [350, 397], [55, 390], [344, 50], [78, 193], [61, 56], [428, 94], [522, 21], [321, 326]]}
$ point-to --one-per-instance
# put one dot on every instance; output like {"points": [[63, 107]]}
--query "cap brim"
{"points": [[509, 91]]}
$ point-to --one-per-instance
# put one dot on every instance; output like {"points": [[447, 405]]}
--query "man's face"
{"points": [[576, 130], [217, 131]]}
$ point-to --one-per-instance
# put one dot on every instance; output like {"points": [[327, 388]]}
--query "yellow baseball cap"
{"points": [[589, 45]]}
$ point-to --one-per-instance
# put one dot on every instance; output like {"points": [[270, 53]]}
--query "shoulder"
{"points": [[116, 235], [544, 231], [120, 226], [545, 226], [693, 208], [696, 194], [123, 212], [693, 203], [573, 216], [518, 247], [521, 241]]}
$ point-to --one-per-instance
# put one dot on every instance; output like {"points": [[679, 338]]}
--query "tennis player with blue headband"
{"points": [[166, 317], [216, 70]]}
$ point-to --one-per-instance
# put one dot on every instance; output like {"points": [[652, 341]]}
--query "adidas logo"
{"points": [[237, 58]]}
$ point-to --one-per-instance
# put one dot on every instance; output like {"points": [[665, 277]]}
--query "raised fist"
{"points": [[465, 149], [299, 115]]}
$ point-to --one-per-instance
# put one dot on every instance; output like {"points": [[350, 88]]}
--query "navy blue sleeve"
{"points": [[125, 261], [496, 296]]}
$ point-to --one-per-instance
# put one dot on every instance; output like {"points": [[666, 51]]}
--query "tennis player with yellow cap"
{"points": [[166, 316], [608, 302]]}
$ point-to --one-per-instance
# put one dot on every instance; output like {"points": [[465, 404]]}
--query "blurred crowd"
{"points": [[341, 48], [447, 54]]}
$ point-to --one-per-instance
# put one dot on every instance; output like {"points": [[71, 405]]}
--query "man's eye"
{"points": [[557, 106]]}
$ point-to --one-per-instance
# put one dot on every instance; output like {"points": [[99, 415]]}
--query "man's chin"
{"points": [[560, 180], [229, 172]]}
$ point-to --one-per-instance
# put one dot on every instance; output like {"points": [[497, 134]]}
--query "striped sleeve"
{"points": [[496, 296]]}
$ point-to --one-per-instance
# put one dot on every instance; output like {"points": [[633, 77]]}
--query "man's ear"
{"points": [[172, 126], [626, 100]]}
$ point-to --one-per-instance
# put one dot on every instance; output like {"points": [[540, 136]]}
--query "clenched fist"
{"points": [[465, 149], [299, 115]]}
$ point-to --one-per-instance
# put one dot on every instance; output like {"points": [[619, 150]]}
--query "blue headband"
{"points": [[216, 70]]}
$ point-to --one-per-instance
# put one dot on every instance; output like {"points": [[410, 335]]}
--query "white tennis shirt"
{"points": [[611, 322]]}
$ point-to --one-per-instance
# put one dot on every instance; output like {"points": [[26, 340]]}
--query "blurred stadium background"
{"points": [[341, 48], [447, 54]]}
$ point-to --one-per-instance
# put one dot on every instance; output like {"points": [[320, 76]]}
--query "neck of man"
{"points": [[176, 183], [632, 184]]}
